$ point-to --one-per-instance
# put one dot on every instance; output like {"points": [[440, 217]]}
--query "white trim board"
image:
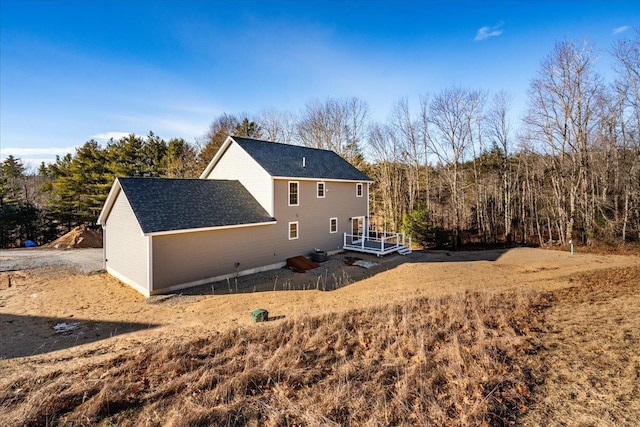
{"points": [[320, 178], [129, 282], [221, 227]]}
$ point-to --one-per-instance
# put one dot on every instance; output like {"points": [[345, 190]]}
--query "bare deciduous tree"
{"points": [[335, 124], [499, 131], [452, 114], [627, 113], [278, 126], [562, 117]]}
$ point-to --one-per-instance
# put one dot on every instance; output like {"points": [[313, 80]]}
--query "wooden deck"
{"points": [[377, 243]]}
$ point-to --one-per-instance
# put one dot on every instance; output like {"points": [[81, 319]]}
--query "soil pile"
{"points": [[79, 237]]}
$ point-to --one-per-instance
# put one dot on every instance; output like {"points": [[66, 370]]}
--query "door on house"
{"points": [[357, 228]]}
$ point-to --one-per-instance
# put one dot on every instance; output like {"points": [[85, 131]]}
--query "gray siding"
{"points": [[313, 214], [188, 257], [125, 246]]}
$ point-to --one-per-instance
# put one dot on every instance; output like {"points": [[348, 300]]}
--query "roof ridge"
{"points": [[284, 143], [165, 178]]}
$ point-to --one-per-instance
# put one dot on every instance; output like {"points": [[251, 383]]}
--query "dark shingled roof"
{"points": [[163, 204], [286, 161]]}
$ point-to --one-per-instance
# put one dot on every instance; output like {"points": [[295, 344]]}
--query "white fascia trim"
{"points": [[222, 227], [108, 203], [216, 158], [219, 278], [297, 178], [124, 279]]}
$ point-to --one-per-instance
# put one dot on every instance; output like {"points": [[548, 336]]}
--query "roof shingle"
{"points": [[284, 160], [165, 204]]}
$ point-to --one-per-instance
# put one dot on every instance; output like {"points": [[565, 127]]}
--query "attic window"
{"points": [[359, 191], [321, 190], [293, 193]]}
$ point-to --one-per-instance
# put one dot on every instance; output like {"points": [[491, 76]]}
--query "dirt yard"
{"points": [[56, 315]]}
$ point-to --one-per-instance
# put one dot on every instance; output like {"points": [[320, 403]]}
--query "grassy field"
{"points": [[422, 362], [504, 337], [589, 368], [560, 357]]}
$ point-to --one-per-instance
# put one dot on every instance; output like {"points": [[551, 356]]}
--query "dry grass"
{"points": [[589, 371], [566, 357], [445, 361]]}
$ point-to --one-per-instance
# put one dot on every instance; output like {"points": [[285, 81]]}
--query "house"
{"points": [[256, 204]]}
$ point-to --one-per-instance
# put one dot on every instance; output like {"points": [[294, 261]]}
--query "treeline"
{"points": [[457, 169]]}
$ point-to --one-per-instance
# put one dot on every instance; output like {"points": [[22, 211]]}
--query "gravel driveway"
{"points": [[83, 260]]}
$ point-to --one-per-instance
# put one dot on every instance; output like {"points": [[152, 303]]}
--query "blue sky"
{"points": [[75, 70]]}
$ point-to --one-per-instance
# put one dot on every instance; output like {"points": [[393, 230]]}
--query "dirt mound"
{"points": [[79, 237]]}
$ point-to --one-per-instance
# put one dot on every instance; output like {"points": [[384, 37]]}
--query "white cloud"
{"points": [[619, 30], [487, 31], [165, 126], [32, 157], [32, 165], [29, 152], [108, 135]]}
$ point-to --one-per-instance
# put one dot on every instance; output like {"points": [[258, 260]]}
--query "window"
{"points": [[293, 193], [293, 230], [321, 190], [359, 190], [333, 225]]}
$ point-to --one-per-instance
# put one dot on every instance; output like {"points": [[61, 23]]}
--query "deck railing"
{"points": [[376, 241]]}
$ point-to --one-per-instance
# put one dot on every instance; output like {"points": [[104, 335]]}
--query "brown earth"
{"points": [[588, 364], [105, 315], [79, 237], [524, 336]]}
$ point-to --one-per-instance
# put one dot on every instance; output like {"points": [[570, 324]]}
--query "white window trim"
{"points": [[297, 183], [361, 187], [330, 222], [297, 230], [324, 189]]}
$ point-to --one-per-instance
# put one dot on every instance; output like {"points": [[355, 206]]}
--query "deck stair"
{"points": [[404, 250]]}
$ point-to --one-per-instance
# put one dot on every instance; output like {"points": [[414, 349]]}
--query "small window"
{"points": [[293, 230], [359, 190], [333, 225], [321, 190], [293, 193]]}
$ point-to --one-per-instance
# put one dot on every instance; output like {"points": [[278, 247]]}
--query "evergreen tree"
{"points": [[248, 129]]}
